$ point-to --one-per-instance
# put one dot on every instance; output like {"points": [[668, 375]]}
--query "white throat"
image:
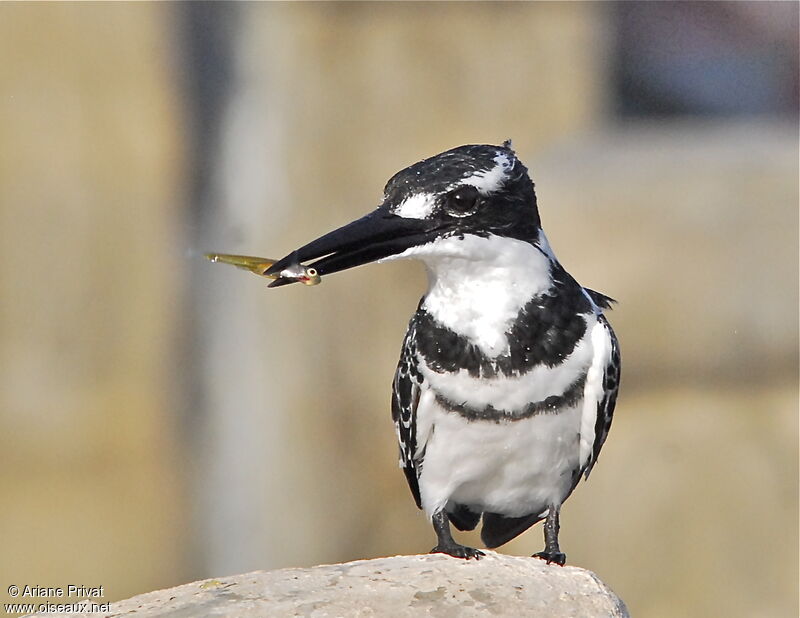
{"points": [[477, 285]]}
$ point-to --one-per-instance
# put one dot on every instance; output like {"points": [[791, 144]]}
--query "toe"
{"points": [[458, 551], [552, 557]]}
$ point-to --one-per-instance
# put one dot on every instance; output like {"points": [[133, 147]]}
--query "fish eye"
{"points": [[311, 272], [462, 202]]}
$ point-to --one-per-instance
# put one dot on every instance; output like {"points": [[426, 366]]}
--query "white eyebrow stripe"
{"points": [[417, 206], [489, 181]]}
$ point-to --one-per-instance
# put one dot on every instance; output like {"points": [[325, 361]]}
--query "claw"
{"points": [[556, 557], [458, 551]]}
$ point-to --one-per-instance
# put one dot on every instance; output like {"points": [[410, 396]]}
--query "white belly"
{"points": [[513, 468]]}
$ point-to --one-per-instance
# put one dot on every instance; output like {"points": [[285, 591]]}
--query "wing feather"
{"points": [[606, 404], [405, 399]]}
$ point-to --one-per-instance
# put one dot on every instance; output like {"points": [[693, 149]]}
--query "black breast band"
{"points": [[552, 405]]}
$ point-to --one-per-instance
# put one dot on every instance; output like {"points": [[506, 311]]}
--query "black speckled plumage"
{"points": [[545, 333], [501, 382], [405, 398]]}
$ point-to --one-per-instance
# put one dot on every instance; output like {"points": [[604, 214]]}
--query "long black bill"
{"points": [[372, 237]]}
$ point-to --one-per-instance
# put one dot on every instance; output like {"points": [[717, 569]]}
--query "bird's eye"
{"points": [[462, 202]]}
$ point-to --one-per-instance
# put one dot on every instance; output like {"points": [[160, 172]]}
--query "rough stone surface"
{"points": [[429, 585]]}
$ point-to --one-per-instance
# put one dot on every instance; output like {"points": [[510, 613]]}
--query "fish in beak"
{"points": [[259, 266], [378, 235]]}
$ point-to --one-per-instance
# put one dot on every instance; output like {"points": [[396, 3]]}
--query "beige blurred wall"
{"points": [[90, 199]]}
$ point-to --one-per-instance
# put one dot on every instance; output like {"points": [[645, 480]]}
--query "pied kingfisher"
{"points": [[509, 371]]}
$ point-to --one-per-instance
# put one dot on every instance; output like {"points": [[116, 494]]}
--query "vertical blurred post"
{"points": [[235, 415]]}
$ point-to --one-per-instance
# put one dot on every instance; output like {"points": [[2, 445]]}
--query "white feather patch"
{"points": [[490, 181], [593, 391], [478, 285], [417, 206]]}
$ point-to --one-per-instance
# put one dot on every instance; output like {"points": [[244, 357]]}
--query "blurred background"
{"points": [[163, 419]]}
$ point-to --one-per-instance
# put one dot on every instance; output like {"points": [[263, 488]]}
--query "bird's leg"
{"points": [[552, 552], [446, 544]]}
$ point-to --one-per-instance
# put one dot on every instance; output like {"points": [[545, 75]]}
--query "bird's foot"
{"points": [[458, 551], [552, 556]]}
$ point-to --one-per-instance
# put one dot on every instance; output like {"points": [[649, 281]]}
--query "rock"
{"points": [[427, 585]]}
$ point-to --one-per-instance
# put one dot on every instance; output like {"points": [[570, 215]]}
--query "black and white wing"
{"points": [[405, 398], [606, 404]]}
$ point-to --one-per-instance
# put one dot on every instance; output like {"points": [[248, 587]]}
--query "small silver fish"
{"points": [[306, 275]]}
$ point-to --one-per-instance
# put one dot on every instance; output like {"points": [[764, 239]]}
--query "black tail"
{"points": [[601, 300], [463, 518], [498, 529]]}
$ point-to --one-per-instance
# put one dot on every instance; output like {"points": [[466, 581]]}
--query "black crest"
{"points": [[509, 211]]}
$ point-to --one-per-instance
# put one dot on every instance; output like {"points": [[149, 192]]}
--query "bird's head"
{"points": [[474, 190]]}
